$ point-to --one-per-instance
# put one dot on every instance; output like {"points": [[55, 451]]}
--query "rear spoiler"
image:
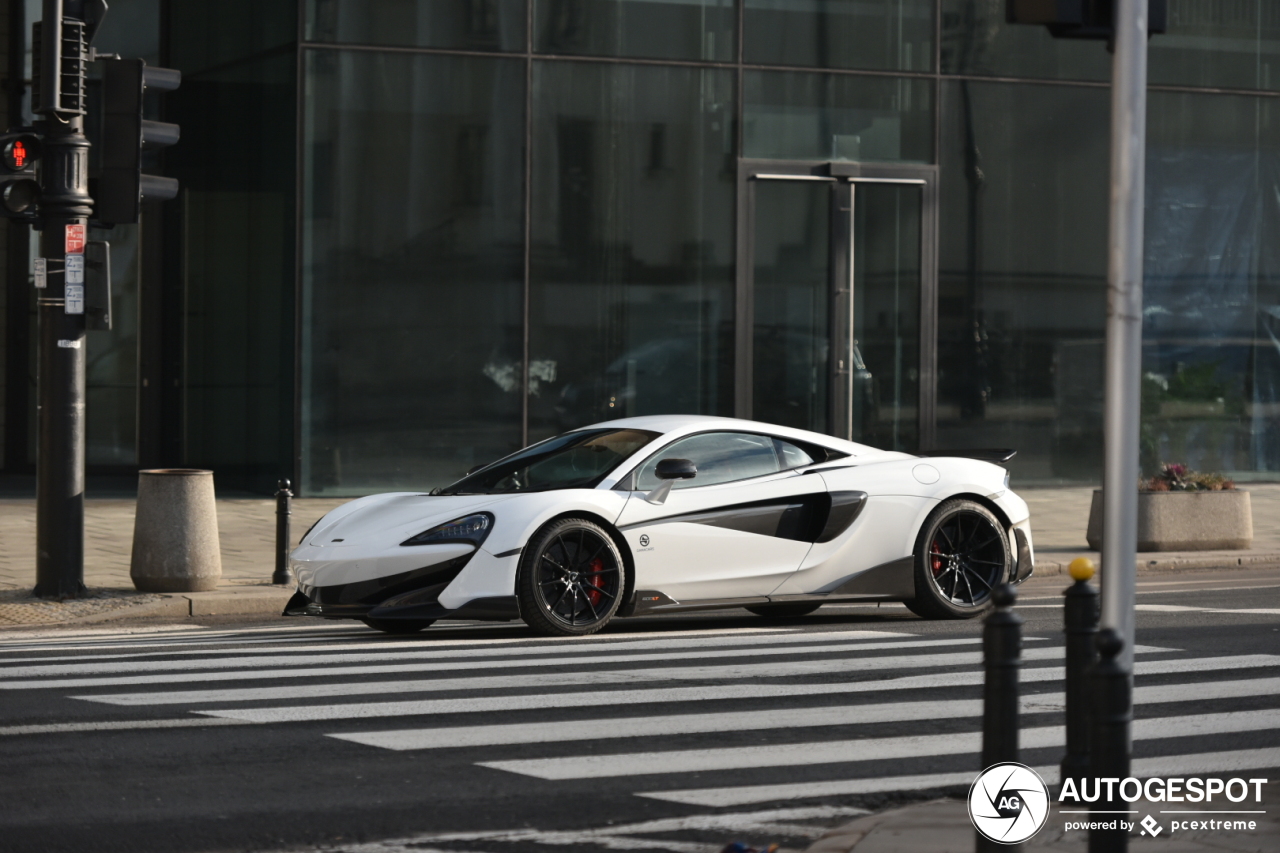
{"points": [[996, 455]]}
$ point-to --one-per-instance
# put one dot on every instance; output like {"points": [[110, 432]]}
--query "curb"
{"points": [[222, 603], [928, 831], [1154, 565], [259, 601]]}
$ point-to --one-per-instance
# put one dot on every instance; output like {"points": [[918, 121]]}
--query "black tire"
{"points": [[398, 626], [784, 611], [962, 554], [571, 578]]}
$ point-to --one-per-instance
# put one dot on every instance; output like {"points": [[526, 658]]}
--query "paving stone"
{"points": [[20, 607]]}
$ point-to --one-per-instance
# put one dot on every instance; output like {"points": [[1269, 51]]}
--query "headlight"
{"points": [[1006, 479], [471, 528]]}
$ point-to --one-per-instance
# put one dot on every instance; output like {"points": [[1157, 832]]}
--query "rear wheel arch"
{"points": [[986, 502]]}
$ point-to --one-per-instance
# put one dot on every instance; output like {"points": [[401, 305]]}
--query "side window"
{"points": [[792, 456], [721, 457]]}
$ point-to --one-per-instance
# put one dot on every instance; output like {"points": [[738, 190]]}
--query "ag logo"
{"points": [[1008, 803], [644, 540]]}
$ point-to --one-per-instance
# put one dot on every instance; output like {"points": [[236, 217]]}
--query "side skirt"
{"points": [[892, 581]]}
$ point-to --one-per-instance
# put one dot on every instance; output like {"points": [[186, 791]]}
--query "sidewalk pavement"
{"points": [[246, 533], [943, 826], [246, 529]]}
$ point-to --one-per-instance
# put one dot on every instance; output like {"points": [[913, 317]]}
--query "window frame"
{"points": [[630, 480]]}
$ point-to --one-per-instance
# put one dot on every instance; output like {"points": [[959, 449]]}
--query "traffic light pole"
{"points": [[65, 206], [1121, 418]]}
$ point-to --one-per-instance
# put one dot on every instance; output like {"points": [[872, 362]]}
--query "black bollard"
{"points": [[1109, 719], [1001, 659], [282, 575], [1081, 609]]}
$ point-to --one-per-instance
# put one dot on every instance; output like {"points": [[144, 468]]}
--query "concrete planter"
{"points": [[1185, 521], [175, 532]]}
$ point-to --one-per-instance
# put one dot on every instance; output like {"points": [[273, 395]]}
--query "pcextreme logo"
{"points": [[1008, 803]]}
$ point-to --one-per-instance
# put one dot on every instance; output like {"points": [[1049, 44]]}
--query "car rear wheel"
{"points": [[962, 554], [398, 626], [783, 611], [571, 578]]}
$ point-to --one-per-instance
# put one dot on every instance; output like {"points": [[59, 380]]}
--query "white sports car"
{"points": [[664, 513]]}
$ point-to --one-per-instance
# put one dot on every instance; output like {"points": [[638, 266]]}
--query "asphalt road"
{"points": [[675, 733]]}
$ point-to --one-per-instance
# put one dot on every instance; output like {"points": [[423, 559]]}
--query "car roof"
{"points": [[673, 426]]}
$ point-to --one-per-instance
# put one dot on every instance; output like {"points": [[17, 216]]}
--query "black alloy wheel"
{"points": [[571, 578], [962, 554], [398, 626]]}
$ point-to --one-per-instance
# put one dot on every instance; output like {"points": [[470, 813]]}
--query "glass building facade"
{"points": [[415, 235]]}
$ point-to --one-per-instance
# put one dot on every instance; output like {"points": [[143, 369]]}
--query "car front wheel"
{"points": [[571, 578], [962, 554]]}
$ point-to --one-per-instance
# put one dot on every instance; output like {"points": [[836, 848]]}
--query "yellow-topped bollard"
{"points": [[1080, 609], [1082, 569]]}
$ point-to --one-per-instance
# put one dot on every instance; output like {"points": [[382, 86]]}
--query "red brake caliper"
{"points": [[595, 583], [935, 558]]}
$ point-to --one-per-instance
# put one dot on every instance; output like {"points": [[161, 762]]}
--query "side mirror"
{"points": [[676, 469]]}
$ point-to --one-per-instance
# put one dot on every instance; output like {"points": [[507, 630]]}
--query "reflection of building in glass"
{"points": [[390, 209]]}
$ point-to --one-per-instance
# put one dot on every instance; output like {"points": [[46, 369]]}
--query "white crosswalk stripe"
{"points": [[844, 752], [1180, 765], [243, 672], [526, 701], [654, 715], [475, 648], [442, 737]]}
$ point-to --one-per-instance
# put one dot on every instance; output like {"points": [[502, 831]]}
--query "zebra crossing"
{"points": [[789, 727]]}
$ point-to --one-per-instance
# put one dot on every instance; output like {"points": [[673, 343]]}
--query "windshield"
{"points": [[576, 460]]}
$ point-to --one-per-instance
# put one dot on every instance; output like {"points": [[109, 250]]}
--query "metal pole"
{"points": [[65, 206], [1124, 321], [282, 574]]}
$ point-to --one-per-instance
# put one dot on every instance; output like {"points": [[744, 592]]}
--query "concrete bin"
{"points": [[1185, 521], [175, 532]]}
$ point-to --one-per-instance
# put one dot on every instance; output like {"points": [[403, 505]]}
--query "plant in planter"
{"points": [[1179, 478], [1183, 510]]}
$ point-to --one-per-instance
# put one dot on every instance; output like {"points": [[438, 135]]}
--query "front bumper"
{"points": [[1024, 554], [414, 594]]}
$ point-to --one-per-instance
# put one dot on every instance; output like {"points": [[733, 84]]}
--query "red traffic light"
{"points": [[21, 152]]}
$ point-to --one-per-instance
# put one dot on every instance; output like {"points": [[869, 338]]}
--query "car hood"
{"points": [[391, 515]]}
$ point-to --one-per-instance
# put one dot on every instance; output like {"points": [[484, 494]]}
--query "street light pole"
{"points": [[65, 206], [1124, 321]]}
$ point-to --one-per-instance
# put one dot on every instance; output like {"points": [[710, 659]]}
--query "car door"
{"points": [[736, 530]]}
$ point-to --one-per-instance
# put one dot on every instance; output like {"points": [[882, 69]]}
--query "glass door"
{"points": [[836, 276], [792, 286]]}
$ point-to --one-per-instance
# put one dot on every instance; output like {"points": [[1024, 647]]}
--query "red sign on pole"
{"points": [[75, 239]]}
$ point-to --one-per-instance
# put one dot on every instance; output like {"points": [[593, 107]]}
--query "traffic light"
{"points": [[19, 189], [1081, 19], [121, 186]]}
